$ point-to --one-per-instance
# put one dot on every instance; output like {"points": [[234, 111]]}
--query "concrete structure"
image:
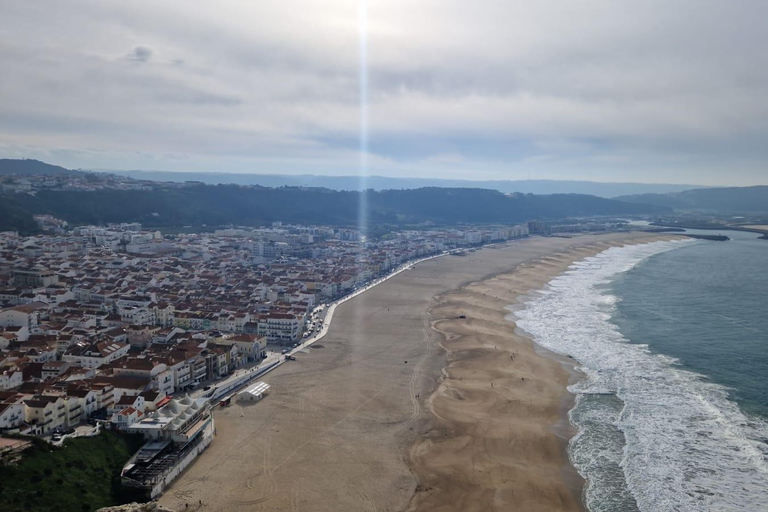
{"points": [[34, 277], [177, 432]]}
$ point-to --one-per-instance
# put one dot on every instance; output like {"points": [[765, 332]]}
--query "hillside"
{"points": [[718, 200], [609, 190], [215, 205], [83, 475], [30, 167]]}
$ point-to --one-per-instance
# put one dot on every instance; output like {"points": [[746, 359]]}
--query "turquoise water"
{"points": [[673, 340]]}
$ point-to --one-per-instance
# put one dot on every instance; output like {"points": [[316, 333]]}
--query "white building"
{"points": [[280, 327], [10, 379], [24, 315], [254, 393], [179, 420], [11, 415], [94, 355]]}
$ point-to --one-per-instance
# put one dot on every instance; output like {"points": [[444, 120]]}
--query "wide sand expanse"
{"points": [[379, 416]]}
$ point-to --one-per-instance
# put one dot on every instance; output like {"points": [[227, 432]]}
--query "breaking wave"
{"points": [[651, 436]]}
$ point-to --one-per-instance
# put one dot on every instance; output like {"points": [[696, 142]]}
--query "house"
{"points": [[87, 399], [153, 400], [133, 401], [126, 417], [165, 335], [25, 315], [14, 333], [147, 367], [95, 354], [140, 335], [220, 360], [124, 385], [11, 411], [53, 369], [10, 379], [105, 394], [250, 347], [44, 413]]}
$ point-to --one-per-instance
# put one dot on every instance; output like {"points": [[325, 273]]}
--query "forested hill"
{"points": [[609, 190], [720, 200], [213, 205], [30, 167]]}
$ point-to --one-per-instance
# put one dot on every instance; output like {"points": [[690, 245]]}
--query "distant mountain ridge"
{"points": [[27, 167], [159, 204], [600, 189], [30, 167], [215, 205], [719, 200]]}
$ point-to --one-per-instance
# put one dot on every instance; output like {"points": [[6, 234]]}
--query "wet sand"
{"points": [[388, 413]]}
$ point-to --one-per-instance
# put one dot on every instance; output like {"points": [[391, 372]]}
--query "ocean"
{"points": [[672, 337]]}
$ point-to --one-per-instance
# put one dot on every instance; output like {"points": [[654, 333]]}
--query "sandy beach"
{"points": [[405, 406]]}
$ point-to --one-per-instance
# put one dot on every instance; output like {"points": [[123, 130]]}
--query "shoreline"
{"points": [[335, 433], [550, 482]]}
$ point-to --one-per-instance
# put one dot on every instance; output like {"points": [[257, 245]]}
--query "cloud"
{"points": [[140, 54], [636, 90]]}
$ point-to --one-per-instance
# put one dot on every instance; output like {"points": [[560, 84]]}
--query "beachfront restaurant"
{"points": [[177, 433]]}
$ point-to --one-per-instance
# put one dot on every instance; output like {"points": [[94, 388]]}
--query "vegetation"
{"points": [[83, 475], [215, 205], [720, 200], [30, 167], [14, 217]]}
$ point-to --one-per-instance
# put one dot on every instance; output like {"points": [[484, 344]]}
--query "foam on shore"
{"points": [[652, 436]]}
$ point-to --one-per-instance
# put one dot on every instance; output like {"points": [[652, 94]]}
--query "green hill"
{"points": [[83, 475], [215, 205], [719, 200], [30, 167]]}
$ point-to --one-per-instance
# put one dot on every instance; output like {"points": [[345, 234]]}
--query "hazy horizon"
{"points": [[415, 178], [597, 91]]}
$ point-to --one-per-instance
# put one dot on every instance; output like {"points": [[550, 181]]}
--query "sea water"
{"points": [[673, 340]]}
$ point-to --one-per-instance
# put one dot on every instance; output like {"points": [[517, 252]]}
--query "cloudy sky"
{"points": [[648, 91]]}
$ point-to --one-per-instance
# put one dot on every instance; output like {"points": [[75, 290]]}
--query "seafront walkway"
{"points": [[274, 360]]}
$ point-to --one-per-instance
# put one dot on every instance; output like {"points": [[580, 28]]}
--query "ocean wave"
{"points": [[685, 446]]}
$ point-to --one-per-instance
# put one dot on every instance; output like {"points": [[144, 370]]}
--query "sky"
{"points": [[642, 91]]}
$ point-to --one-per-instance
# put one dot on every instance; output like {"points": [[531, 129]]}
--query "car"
{"points": [[285, 351], [206, 388], [56, 436]]}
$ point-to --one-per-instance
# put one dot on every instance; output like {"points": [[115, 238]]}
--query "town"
{"points": [[112, 327]]}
